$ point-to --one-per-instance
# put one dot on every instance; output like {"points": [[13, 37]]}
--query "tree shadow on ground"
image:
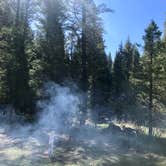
{"points": [[100, 149], [118, 151]]}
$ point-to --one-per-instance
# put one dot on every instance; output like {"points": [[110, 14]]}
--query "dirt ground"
{"points": [[96, 150]]}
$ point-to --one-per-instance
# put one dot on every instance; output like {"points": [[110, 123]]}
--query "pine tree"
{"points": [[6, 22], [20, 92], [118, 71], [128, 57], [5, 63], [53, 40], [151, 37], [75, 64], [98, 65]]}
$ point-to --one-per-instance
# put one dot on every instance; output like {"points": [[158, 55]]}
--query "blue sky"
{"points": [[130, 19]]}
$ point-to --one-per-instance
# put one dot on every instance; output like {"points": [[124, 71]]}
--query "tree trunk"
{"points": [[17, 13], [84, 77], [27, 5], [84, 54], [151, 96]]}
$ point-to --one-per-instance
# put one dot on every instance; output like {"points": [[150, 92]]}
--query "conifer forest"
{"points": [[66, 101]]}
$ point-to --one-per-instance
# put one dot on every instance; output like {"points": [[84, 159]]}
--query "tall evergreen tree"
{"points": [[151, 37], [20, 92], [98, 66], [128, 51], [53, 40], [119, 75], [6, 22]]}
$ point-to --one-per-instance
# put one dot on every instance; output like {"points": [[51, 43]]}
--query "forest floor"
{"points": [[86, 149]]}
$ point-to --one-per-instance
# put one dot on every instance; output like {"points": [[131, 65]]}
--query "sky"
{"points": [[130, 19]]}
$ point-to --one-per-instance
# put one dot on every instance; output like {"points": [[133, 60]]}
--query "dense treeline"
{"points": [[59, 41]]}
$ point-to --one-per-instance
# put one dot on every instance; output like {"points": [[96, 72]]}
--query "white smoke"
{"points": [[57, 126], [59, 109]]}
